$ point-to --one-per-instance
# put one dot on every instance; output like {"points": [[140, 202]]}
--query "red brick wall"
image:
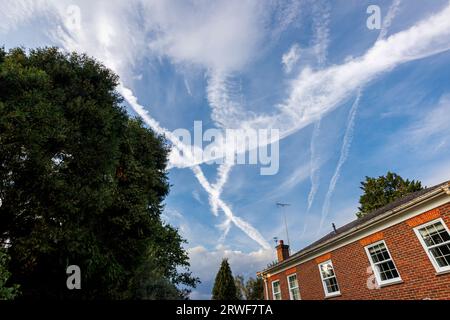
{"points": [[351, 263]]}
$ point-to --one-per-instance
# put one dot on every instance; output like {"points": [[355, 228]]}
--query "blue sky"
{"points": [[348, 101]]}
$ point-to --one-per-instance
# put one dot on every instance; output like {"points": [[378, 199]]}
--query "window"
{"points": [[329, 281], [276, 290], [435, 239], [382, 264], [294, 291]]}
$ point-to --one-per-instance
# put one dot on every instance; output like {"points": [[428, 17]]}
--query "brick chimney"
{"points": [[282, 251]]}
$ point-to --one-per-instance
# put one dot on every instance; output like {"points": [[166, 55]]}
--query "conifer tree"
{"points": [[224, 286], [383, 190]]}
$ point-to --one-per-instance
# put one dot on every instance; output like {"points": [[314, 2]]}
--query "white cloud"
{"points": [[299, 175], [321, 20], [290, 58], [315, 93], [197, 197], [321, 17], [390, 15], [348, 137], [205, 264], [220, 35], [345, 150], [432, 123], [16, 12]]}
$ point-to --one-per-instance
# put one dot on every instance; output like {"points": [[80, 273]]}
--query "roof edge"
{"points": [[444, 188]]}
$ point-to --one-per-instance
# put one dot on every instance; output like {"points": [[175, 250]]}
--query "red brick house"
{"points": [[401, 251]]}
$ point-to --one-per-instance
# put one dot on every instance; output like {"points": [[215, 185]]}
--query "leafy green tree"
{"points": [[378, 192], [81, 183], [224, 286], [254, 289], [239, 282], [6, 292]]}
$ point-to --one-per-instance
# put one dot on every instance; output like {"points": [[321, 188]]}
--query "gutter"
{"points": [[384, 216]]}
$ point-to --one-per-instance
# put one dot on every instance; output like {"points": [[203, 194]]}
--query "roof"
{"points": [[330, 237]]}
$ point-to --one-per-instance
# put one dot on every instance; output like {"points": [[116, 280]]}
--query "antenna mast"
{"points": [[283, 206]]}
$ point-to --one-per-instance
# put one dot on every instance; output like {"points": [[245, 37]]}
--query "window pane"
{"points": [[442, 255], [331, 285], [276, 286], [327, 270], [295, 294], [387, 270], [293, 281], [434, 234], [383, 262], [276, 290], [379, 253]]}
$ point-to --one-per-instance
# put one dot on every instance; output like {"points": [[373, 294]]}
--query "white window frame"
{"points": [[427, 249], [293, 288], [328, 294], [273, 290], [376, 272]]}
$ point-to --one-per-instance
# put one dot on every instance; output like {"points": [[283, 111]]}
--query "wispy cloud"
{"points": [[223, 38], [314, 174], [321, 21], [188, 88], [321, 17], [345, 149], [198, 173], [429, 131], [290, 58], [315, 93], [348, 137]]}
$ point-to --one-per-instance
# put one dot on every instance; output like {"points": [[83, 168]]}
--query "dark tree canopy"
{"points": [[224, 285], [252, 289], [7, 292], [378, 192], [81, 183], [255, 289]]}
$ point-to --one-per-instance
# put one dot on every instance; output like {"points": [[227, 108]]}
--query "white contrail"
{"points": [[248, 229], [343, 157], [321, 41], [223, 173], [314, 165], [390, 15], [222, 176], [348, 137], [240, 223]]}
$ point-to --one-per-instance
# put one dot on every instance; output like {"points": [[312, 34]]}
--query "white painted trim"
{"points": [[290, 288], [447, 189], [266, 289], [273, 289], [325, 290], [433, 261], [364, 231], [380, 282]]}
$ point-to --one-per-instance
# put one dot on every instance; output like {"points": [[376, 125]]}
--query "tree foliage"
{"points": [[81, 183], [378, 192], [7, 292], [239, 282], [224, 285], [252, 289], [255, 289]]}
